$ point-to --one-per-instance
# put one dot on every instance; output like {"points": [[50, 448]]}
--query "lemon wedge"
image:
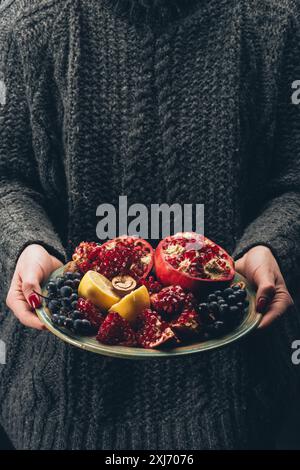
{"points": [[132, 304], [98, 289]]}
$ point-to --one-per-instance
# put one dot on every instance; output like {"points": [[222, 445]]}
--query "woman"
{"points": [[182, 101]]}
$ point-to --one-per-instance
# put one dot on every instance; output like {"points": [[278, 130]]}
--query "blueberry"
{"points": [[224, 309], [234, 310], [214, 307], [218, 293], [204, 312], [231, 299], [240, 305], [69, 283], [85, 326], [52, 287], [74, 297], [64, 311], [234, 314], [74, 305], [54, 306], [68, 323], [76, 283], [68, 275], [228, 291], [241, 294], [216, 329], [76, 314], [236, 287], [66, 302], [203, 308], [59, 282], [61, 320], [66, 291], [77, 275], [51, 297], [212, 298], [55, 319], [77, 325], [239, 297], [221, 301]]}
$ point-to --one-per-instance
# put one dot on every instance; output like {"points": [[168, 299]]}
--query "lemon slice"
{"points": [[132, 304], [98, 289]]}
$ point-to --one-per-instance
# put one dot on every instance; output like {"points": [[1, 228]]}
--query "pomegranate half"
{"points": [[193, 262], [124, 255]]}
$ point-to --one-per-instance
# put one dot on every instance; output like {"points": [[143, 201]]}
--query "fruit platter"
{"points": [[125, 299]]}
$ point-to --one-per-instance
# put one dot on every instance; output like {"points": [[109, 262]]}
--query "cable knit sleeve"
{"points": [[23, 216], [278, 224]]}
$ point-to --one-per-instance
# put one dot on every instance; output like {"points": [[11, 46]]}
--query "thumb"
{"points": [[31, 282], [265, 283], [55, 263]]}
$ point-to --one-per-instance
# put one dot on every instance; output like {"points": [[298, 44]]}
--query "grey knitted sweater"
{"points": [[190, 106]]}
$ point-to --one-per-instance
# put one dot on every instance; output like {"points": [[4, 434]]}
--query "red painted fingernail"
{"points": [[262, 305], [34, 300]]}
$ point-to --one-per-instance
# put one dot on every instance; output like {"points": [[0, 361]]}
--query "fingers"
{"points": [[264, 296], [22, 311], [31, 280], [31, 288], [281, 303], [273, 298], [260, 267], [17, 303], [239, 265], [266, 288], [33, 266]]}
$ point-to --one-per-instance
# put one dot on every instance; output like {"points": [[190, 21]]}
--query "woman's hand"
{"points": [[260, 267], [33, 266]]}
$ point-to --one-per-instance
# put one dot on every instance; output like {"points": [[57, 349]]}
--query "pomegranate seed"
{"points": [[90, 311], [171, 300]]}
